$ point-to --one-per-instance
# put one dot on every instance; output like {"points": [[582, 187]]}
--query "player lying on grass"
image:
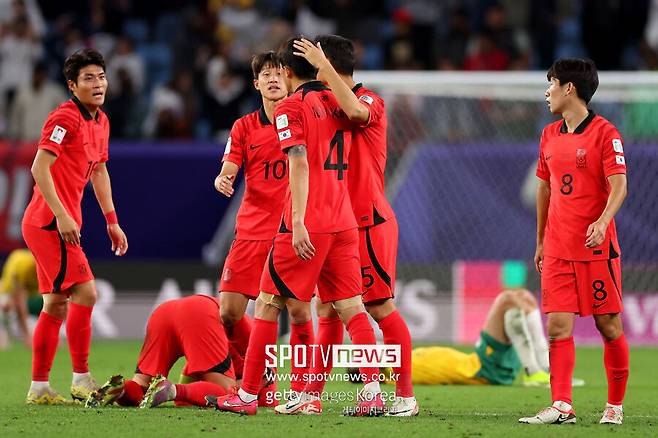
{"points": [[189, 327], [512, 340], [19, 295]]}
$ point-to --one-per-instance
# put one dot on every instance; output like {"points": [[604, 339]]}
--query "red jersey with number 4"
{"points": [[368, 162], [254, 145], [80, 142], [577, 166], [313, 118]]}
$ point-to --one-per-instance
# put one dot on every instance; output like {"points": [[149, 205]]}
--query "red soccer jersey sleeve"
{"points": [[374, 103], [542, 169], [612, 153], [289, 119], [59, 131], [234, 151]]}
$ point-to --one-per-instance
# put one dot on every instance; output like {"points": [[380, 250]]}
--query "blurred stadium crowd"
{"points": [[180, 69]]}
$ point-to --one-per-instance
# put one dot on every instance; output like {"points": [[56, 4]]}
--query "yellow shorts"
{"points": [[445, 366]]}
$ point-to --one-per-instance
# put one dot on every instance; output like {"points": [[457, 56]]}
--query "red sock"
{"points": [[396, 332], [195, 393], [44, 346], [301, 334], [132, 393], [78, 333], [361, 333], [615, 358], [238, 334], [330, 332], [263, 333], [562, 358]]}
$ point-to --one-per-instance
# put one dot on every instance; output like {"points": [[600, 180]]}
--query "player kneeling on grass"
{"points": [[188, 327]]}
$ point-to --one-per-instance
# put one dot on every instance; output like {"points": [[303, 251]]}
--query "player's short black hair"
{"points": [[340, 52], [581, 73], [80, 59], [264, 60], [299, 66]]}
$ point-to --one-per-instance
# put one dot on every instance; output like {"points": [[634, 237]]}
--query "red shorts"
{"points": [[379, 248], [188, 327], [60, 265], [334, 268], [585, 288], [243, 267]]}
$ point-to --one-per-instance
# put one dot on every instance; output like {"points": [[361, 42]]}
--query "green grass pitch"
{"points": [[445, 411]]}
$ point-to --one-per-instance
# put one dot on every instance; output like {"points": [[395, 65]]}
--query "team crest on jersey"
{"points": [[284, 135], [227, 149], [228, 273], [58, 134], [282, 121], [617, 146], [581, 158], [367, 99]]}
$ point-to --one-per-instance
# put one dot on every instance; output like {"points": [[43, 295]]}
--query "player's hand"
{"points": [[118, 238], [311, 52], [68, 229], [301, 242], [539, 258], [596, 234], [224, 184]]}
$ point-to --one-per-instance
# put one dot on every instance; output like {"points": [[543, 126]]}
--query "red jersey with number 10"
{"points": [[312, 117], [254, 145], [368, 163], [577, 166], [80, 142]]}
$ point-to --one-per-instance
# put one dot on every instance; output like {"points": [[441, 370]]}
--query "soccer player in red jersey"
{"points": [[317, 243], [582, 185], [378, 230], [253, 143], [72, 151], [189, 327]]}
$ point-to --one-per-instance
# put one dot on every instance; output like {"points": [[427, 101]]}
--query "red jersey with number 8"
{"points": [[312, 117], [80, 142], [253, 144], [577, 166]]}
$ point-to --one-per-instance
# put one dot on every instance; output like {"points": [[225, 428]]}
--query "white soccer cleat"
{"points": [[403, 407], [612, 415], [556, 414], [300, 403]]}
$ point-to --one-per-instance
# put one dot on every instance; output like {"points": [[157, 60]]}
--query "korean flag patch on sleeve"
{"points": [[367, 99], [58, 134], [620, 160]]}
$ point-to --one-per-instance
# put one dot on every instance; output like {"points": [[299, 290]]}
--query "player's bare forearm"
{"points": [[349, 103], [100, 180], [224, 181], [543, 201], [44, 180], [618, 191], [298, 180]]}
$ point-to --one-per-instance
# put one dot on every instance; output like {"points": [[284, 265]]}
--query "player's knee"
{"points": [[558, 330], [230, 316], [56, 309], [349, 307], [514, 320], [380, 309], [84, 295], [300, 312], [325, 310], [609, 327]]}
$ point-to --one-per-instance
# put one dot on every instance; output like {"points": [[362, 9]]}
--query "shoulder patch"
{"points": [[227, 149], [58, 134], [284, 135], [620, 160], [617, 145], [367, 99], [282, 121]]}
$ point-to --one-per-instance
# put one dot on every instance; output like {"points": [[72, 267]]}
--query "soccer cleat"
{"points": [[82, 390], [161, 390], [369, 405], [540, 378], [612, 415], [300, 403], [47, 396], [551, 415], [267, 393], [106, 394], [232, 403], [404, 407]]}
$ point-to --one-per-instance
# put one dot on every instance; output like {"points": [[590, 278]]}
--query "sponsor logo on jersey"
{"points": [[282, 121], [284, 135], [58, 134], [581, 158], [617, 146]]}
